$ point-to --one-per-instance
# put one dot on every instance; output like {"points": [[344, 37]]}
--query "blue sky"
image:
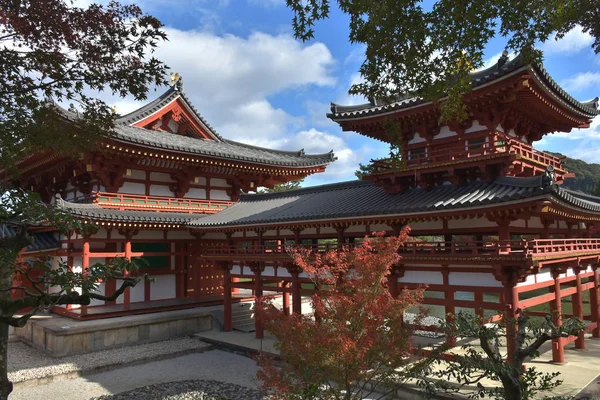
{"points": [[255, 83]]}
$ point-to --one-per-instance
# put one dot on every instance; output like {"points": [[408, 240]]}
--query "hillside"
{"points": [[587, 176]]}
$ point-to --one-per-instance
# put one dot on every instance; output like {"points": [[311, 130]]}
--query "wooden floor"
{"points": [[117, 310]]}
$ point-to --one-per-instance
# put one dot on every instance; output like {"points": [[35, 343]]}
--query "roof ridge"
{"points": [[306, 190], [300, 152]]}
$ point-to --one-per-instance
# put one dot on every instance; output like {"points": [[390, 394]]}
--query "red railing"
{"points": [[461, 151], [124, 201], [531, 248]]}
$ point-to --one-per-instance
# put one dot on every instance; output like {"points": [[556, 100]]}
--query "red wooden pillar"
{"points": [[296, 297], [85, 266], [558, 349], [127, 293], [504, 236], [577, 301], [227, 303], [286, 297], [595, 303], [258, 292]]}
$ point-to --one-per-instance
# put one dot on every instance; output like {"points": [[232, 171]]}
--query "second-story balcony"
{"points": [[465, 152], [524, 251], [123, 201]]}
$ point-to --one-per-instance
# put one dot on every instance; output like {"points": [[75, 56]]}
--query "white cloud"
{"points": [[574, 41], [582, 81]]}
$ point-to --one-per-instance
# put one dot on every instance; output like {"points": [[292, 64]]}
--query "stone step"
{"points": [[245, 328], [243, 321]]}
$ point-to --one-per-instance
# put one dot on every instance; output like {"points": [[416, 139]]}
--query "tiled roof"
{"points": [[224, 149], [42, 241], [478, 78], [97, 213], [363, 199], [170, 95], [219, 148]]}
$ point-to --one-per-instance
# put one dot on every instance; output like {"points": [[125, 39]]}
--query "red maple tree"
{"points": [[357, 343]]}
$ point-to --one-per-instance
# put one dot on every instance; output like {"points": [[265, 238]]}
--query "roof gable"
{"points": [[171, 112]]}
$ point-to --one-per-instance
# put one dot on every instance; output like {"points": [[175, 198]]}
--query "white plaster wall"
{"points": [[268, 271], [236, 270], [535, 222], [201, 180], [476, 127], [180, 235], [512, 133], [416, 139], [163, 287], [426, 225], [160, 190], [137, 174], [445, 132], [196, 193], [251, 234], [173, 126], [500, 128], [160, 177], [219, 195], [327, 230], [473, 279], [356, 229], [283, 272], [133, 188], [100, 234], [286, 232], [378, 228], [470, 223], [101, 290], [309, 231], [219, 182], [270, 233], [137, 292], [425, 277]]}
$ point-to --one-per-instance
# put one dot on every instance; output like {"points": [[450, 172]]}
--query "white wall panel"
{"points": [[161, 190], [219, 195], [196, 193], [426, 277], [473, 279], [163, 287], [219, 182], [133, 188], [137, 292], [161, 177]]}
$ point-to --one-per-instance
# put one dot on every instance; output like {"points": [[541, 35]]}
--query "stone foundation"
{"points": [[62, 336]]}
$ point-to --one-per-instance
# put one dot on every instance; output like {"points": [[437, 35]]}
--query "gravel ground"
{"points": [[232, 370], [188, 390], [25, 362]]}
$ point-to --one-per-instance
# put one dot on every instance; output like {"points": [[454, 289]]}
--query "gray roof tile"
{"points": [[42, 241], [95, 212], [224, 149], [364, 199], [478, 78]]}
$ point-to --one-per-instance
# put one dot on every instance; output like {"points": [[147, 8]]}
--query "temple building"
{"points": [[498, 233]]}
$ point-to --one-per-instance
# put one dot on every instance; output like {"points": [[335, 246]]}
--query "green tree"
{"points": [[282, 187], [412, 47], [52, 51], [481, 370]]}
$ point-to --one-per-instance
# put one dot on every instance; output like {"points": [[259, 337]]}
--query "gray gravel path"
{"points": [[26, 363], [213, 365], [189, 390]]}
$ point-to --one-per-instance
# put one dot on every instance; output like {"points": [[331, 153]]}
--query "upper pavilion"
{"points": [[512, 104]]}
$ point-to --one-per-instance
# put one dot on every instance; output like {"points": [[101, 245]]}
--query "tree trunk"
{"points": [[6, 386], [512, 387]]}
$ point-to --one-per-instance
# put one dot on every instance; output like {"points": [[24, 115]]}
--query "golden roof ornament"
{"points": [[176, 81]]}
